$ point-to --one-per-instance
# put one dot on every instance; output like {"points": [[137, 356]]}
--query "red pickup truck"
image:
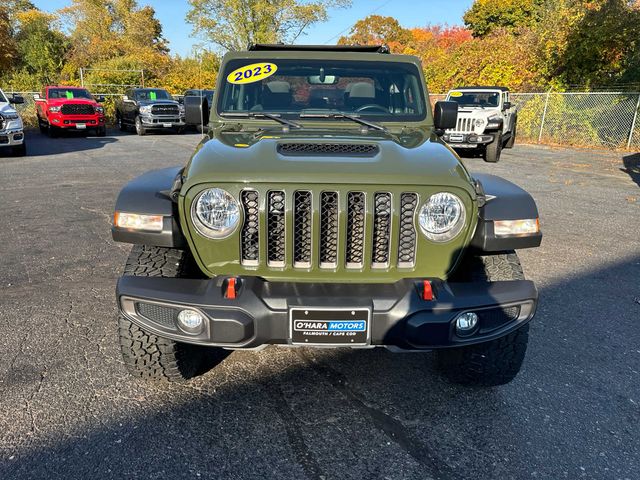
{"points": [[74, 108]]}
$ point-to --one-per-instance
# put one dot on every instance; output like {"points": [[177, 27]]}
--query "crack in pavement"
{"points": [[393, 428]]}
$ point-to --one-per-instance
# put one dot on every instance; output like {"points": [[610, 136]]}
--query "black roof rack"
{"points": [[503, 89], [263, 47]]}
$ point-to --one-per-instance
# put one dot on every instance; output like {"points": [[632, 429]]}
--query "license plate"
{"points": [[456, 138], [166, 125], [81, 126], [341, 326]]}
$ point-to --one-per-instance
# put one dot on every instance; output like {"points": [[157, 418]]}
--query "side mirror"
{"points": [[16, 99], [507, 105], [445, 115], [36, 96], [100, 99]]}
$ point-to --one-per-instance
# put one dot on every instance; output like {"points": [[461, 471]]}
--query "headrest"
{"points": [[279, 87], [362, 90]]}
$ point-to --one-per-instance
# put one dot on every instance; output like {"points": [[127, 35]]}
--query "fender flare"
{"points": [[150, 194], [505, 201]]}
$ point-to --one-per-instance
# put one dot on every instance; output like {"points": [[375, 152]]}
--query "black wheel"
{"points": [[101, 131], [140, 130], [43, 126], [492, 151], [491, 363], [20, 150], [512, 139], [147, 355], [200, 128], [179, 130], [121, 125], [52, 131]]}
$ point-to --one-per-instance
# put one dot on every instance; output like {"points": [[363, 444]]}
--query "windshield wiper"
{"points": [[346, 116], [270, 116]]}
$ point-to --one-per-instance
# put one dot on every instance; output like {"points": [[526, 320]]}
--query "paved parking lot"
{"points": [[69, 410]]}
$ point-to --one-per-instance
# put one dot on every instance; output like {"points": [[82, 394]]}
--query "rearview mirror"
{"points": [[322, 80], [445, 115], [16, 99]]}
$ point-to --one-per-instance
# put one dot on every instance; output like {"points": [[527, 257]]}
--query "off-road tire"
{"points": [[140, 130], [493, 150], [512, 139], [20, 150], [490, 363], [147, 355]]}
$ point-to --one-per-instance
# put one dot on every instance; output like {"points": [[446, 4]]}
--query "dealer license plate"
{"points": [[166, 125], [81, 126], [456, 138], [348, 326]]}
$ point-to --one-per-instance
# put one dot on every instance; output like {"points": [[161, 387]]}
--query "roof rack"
{"points": [[503, 89], [263, 47]]}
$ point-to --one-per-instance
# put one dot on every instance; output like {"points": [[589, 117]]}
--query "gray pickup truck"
{"points": [[146, 109]]}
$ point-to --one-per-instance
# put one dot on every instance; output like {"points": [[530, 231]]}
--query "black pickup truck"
{"points": [[196, 106], [149, 109]]}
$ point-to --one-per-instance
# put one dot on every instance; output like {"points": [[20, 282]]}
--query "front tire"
{"points": [[20, 150], [140, 130], [512, 139], [493, 150], [101, 131], [496, 362], [147, 355]]}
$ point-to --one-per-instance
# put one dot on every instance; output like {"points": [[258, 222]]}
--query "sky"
{"points": [[410, 13]]}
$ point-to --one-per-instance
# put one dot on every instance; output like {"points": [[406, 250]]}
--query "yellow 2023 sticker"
{"points": [[252, 73], [455, 94]]}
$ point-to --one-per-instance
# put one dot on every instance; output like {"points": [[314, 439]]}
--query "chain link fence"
{"points": [[584, 119]]}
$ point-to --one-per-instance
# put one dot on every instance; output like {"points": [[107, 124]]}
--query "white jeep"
{"points": [[486, 121], [11, 127]]}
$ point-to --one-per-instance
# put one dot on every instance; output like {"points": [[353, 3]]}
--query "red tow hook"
{"points": [[232, 288], [427, 290]]}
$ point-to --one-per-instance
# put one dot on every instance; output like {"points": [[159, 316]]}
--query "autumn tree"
{"points": [[378, 30], [8, 46], [234, 24], [484, 16]]}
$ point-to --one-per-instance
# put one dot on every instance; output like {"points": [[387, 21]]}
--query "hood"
{"points": [[6, 108], [157, 102], [478, 112], [414, 158]]}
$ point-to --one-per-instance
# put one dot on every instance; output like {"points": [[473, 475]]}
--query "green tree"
{"points": [[484, 16], [376, 30], [7, 42], [234, 24], [41, 46]]}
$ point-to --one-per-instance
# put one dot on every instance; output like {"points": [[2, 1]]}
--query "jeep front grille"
{"points": [[312, 235], [77, 109], [464, 125]]}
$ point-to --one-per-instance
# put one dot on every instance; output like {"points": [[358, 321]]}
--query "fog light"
{"points": [[466, 323], [190, 321]]}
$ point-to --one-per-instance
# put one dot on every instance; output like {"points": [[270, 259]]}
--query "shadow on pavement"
{"points": [[340, 416], [632, 166]]}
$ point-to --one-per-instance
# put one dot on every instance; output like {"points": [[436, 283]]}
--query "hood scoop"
{"points": [[329, 149]]}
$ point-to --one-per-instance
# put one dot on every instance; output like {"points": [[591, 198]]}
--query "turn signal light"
{"points": [[516, 227], [134, 221], [427, 291]]}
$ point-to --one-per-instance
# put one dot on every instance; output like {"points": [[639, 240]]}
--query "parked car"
{"points": [[146, 109], [69, 108], [11, 127], [196, 107], [486, 121], [338, 223]]}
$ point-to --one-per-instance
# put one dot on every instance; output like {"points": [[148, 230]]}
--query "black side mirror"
{"points": [[507, 105], [100, 99], [16, 99], [445, 115]]}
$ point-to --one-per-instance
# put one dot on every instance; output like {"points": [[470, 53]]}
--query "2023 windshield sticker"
{"points": [[252, 73]]}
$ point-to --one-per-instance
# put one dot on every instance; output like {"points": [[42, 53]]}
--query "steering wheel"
{"points": [[372, 106]]}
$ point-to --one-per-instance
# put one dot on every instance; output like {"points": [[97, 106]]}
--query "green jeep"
{"points": [[324, 210]]}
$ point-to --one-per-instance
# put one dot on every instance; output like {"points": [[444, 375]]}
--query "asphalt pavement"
{"points": [[69, 410]]}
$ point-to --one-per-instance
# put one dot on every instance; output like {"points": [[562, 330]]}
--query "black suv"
{"points": [[149, 109]]}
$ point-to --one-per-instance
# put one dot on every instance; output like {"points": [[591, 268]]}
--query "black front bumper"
{"points": [[260, 313]]}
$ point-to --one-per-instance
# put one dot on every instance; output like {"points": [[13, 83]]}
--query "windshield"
{"points": [[383, 91], [3, 99], [69, 93], [475, 99], [152, 94], [200, 93]]}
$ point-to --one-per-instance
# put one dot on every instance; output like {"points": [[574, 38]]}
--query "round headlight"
{"points": [[215, 213], [480, 122], [442, 217]]}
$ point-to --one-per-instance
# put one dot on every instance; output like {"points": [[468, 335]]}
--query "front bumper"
{"points": [[259, 315], [467, 140], [78, 122], [11, 137], [162, 121]]}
